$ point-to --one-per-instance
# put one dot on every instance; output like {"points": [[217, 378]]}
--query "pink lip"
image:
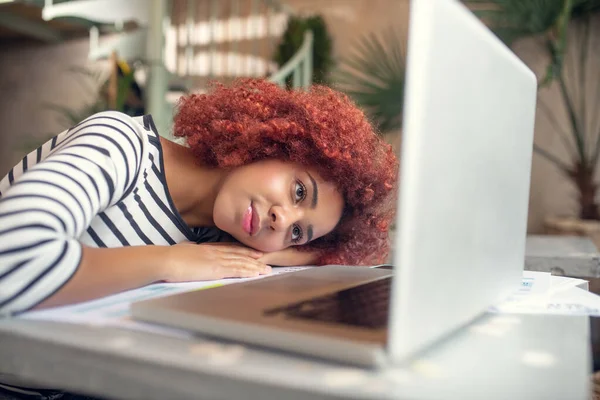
{"points": [[251, 221], [255, 227], [247, 220]]}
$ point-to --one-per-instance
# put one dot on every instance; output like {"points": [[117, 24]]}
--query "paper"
{"points": [[542, 293], [114, 310], [534, 284], [561, 283], [574, 301], [539, 292], [571, 301]]}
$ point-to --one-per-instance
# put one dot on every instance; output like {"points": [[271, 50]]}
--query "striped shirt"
{"points": [[100, 184]]}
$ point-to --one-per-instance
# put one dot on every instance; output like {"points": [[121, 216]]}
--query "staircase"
{"points": [[184, 44]]}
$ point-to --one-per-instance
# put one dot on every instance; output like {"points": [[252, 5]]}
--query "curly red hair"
{"points": [[253, 120]]}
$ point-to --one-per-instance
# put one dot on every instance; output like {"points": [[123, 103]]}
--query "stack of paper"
{"points": [[114, 310], [540, 292], [543, 293]]}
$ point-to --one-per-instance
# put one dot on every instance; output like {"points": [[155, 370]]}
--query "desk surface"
{"points": [[563, 255], [498, 357]]}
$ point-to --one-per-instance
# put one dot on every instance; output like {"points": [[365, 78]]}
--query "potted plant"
{"points": [[373, 75], [118, 92], [293, 37], [565, 28]]}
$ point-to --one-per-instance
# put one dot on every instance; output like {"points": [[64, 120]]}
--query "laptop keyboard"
{"points": [[364, 306]]}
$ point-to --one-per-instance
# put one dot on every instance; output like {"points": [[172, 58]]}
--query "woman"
{"points": [[267, 176]]}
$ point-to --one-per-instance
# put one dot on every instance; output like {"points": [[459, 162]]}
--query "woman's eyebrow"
{"points": [[315, 196]]}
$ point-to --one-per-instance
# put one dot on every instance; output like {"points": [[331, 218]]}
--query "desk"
{"points": [[499, 357], [575, 256]]}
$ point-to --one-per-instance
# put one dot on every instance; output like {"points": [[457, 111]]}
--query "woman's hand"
{"points": [[189, 261], [290, 257]]}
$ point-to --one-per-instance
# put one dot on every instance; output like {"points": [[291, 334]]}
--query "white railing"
{"points": [[220, 39], [300, 66]]}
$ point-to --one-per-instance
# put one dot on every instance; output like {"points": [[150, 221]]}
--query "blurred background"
{"points": [[61, 61]]}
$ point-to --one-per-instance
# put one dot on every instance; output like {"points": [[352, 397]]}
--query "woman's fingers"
{"points": [[248, 263], [190, 262], [246, 273], [238, 249], [244, 267]]}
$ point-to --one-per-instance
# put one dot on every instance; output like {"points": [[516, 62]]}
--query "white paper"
{"points": [[534, 283], [574, 301], [539, 292], [114, 310], [561, 283], [542, 293], [570, 301]]}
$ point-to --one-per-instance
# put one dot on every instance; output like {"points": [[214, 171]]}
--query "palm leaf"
{"points": [[123, 88], [514, 19], [69, 117], [373, 76]]}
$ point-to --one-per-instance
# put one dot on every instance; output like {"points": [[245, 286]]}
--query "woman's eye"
{"points": [[300, 192], [296, 234]]}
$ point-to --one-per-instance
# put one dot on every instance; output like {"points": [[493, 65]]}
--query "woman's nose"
{"points": [[281, 218], [278, 219]]}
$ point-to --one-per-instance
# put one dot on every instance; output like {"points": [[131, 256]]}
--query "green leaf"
{"points": [[293, 37], [123, 88], [514, 19], [373, 76]]}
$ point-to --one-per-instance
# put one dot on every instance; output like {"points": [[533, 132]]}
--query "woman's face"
{"points": [[271, 205]]}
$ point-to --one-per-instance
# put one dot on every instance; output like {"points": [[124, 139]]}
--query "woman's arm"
{"points": [[45, 207], [107, 271], [102, 272], [290, 257]]}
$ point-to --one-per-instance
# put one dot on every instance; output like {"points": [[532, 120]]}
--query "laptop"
{"points": [[461, 217]]}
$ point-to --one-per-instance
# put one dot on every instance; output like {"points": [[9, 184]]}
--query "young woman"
{"points": [[267, 177]]}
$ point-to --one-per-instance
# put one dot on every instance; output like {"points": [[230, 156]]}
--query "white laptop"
{"points": [[462, 216]]}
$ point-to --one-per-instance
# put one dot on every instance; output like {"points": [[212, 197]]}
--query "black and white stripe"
{"points": [[100, 184]]}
